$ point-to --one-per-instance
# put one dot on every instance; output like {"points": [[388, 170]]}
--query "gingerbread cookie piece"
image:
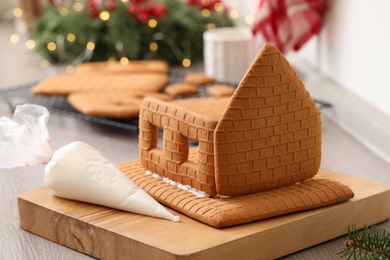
{"points": [[66, 84], [106, 67], [220, 90], [199, 79], [157, 95], [105, 104], [212, 107], [181, 89], [115, 104]]}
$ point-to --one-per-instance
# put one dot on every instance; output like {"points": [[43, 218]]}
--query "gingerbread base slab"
{"points": [[111, 234]]}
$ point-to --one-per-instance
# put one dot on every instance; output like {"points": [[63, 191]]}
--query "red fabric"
{"points": [[288, 24]]}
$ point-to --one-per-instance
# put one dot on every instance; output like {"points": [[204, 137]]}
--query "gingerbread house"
{"points": [[262, 155]]}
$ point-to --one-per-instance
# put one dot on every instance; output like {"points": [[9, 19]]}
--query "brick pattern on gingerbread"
{"points": [[172, 160], [270, 134]]}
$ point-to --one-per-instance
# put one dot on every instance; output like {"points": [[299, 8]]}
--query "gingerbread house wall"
{"points": [[173, 160], [270, 134]]}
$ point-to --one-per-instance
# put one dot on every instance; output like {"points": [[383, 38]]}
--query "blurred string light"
{"points": [[186, 62], [104, 15], [69, 69], [206, 13], [44, 63], [234, 14], [111, 59], [17, 12], [219, 7], [71, 37], [124, 61], [153, 46], [63, 11], [90, 46], [210, 26], [14, 38], [152, 23], [77, 6], [30, 44], [51, 46], [249, 19]]}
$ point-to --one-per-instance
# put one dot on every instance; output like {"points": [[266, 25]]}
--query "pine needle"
{"points": [[368, 243]]}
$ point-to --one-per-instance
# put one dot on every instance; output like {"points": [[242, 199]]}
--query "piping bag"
{"points": [[76, 171]]}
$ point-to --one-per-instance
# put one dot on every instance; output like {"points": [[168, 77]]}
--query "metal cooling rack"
{"points": [[59, 105]]}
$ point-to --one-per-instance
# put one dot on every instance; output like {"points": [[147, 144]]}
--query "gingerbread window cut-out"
{"points": [[174, 160]]}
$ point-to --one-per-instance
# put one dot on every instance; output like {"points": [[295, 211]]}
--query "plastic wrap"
{"points": [[24, 139]]}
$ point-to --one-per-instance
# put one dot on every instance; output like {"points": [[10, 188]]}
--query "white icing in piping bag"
{"points": [[78, 171]]}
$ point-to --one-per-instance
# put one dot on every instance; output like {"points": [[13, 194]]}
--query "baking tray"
{"points": [[21, 94]]}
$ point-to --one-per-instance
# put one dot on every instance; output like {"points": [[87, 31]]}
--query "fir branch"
{"points": [[122, 34], [369, 243]]}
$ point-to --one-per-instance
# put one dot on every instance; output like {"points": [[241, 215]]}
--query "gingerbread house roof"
{"points": [[270, 133]]}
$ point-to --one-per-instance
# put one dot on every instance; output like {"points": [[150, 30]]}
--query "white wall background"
{"points": [[5, 6], [353, 48]]}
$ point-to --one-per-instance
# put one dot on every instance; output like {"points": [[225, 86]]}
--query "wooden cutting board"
{"points": [[111, 234]]}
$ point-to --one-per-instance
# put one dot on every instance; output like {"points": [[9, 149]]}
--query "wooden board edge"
{"points": [[70, 232]]}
